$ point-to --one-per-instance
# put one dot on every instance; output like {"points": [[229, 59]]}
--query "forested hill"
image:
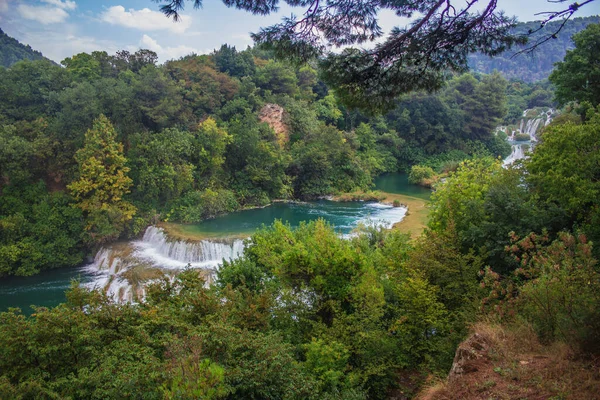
{"points": [[536, 66], [12, 51]]}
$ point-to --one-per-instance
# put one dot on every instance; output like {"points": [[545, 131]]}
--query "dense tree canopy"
{"points": [[191, 135], [577, 78]]}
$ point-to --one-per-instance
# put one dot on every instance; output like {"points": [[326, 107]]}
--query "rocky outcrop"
{"points": [[468, 355], [273, 115]]}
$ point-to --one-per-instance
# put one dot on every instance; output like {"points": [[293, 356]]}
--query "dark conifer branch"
{"points": [[565, 14]]}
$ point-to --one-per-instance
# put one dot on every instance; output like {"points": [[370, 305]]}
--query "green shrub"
{"points": [[199, 205], [521, 137], [561, 296], [418, 174]]}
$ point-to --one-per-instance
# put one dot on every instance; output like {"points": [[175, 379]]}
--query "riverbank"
{"points": [[412, 223], [344, 215], [415, 220]]}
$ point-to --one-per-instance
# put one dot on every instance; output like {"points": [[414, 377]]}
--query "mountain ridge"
{"points": [[538, 65], [13, 51]]}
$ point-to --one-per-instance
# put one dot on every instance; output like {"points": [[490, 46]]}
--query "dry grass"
{"points": [[517, 366], [361, 196], [416, 217]]}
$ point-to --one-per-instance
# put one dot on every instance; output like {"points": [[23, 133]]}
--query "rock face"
{"points": [[272, 114], [467, 355]]}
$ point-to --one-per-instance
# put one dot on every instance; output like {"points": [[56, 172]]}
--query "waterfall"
{"points": [[201, 254], [123, 269], [516, 154], [529, 126], [532, 126], [108, 267]]}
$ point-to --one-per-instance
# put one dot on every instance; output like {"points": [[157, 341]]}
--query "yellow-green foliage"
{"points": [[420, 174], [462, 194], [102, 183], [213, 141]]}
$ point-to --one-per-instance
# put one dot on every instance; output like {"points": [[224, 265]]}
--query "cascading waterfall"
{"points": [[205, 253], [108, 266], [529, 127], [516, 154], [122, 270]]}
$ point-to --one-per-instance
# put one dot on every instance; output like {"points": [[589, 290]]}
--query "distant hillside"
{"points": [[537, 66], [11, 51]]}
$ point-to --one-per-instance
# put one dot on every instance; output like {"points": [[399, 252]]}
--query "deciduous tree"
{"points": [[577, 78]]}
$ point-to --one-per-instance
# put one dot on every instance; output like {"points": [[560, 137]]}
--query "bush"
{"points": [[419, 174], [450, 166], [199, 205], [561, 295], [361, 196], [521, 137]]}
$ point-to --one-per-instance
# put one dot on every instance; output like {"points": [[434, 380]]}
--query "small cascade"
{"points": [[529, 126], [108, 266], [122, 270], [517, 153], [202, 253]]}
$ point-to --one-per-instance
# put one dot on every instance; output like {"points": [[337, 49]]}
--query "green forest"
{"points": [[99, 148], [109, 143]]}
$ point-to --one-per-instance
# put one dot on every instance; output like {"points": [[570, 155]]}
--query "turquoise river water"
{"points": [[47, 289]]}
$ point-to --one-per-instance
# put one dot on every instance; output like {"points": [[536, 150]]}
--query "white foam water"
{"points": [[384, 215], [159, 249], [155, 251]]}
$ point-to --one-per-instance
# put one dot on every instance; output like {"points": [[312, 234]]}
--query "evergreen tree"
{"points": [[102, 183]]}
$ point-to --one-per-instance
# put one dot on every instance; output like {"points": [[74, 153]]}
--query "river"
{"points": [[156, 251]]}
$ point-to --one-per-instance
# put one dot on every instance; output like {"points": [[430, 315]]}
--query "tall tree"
{"points": [[577, 78], [210, 144], [102, 183]]}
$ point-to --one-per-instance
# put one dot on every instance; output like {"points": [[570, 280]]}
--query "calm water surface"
{"points": [[344, 216], [398, 183], [46, 289]]}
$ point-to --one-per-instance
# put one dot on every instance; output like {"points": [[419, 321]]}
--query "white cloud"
{"points": [[167, 53], [4, 5], [145, 19], [65, 5], [59, 41], [41, 14]]}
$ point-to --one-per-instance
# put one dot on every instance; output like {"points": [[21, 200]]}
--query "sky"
{"points": [[62, 28]]}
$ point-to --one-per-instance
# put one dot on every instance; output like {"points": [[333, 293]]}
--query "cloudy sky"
{"points": [[61, 28]]}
